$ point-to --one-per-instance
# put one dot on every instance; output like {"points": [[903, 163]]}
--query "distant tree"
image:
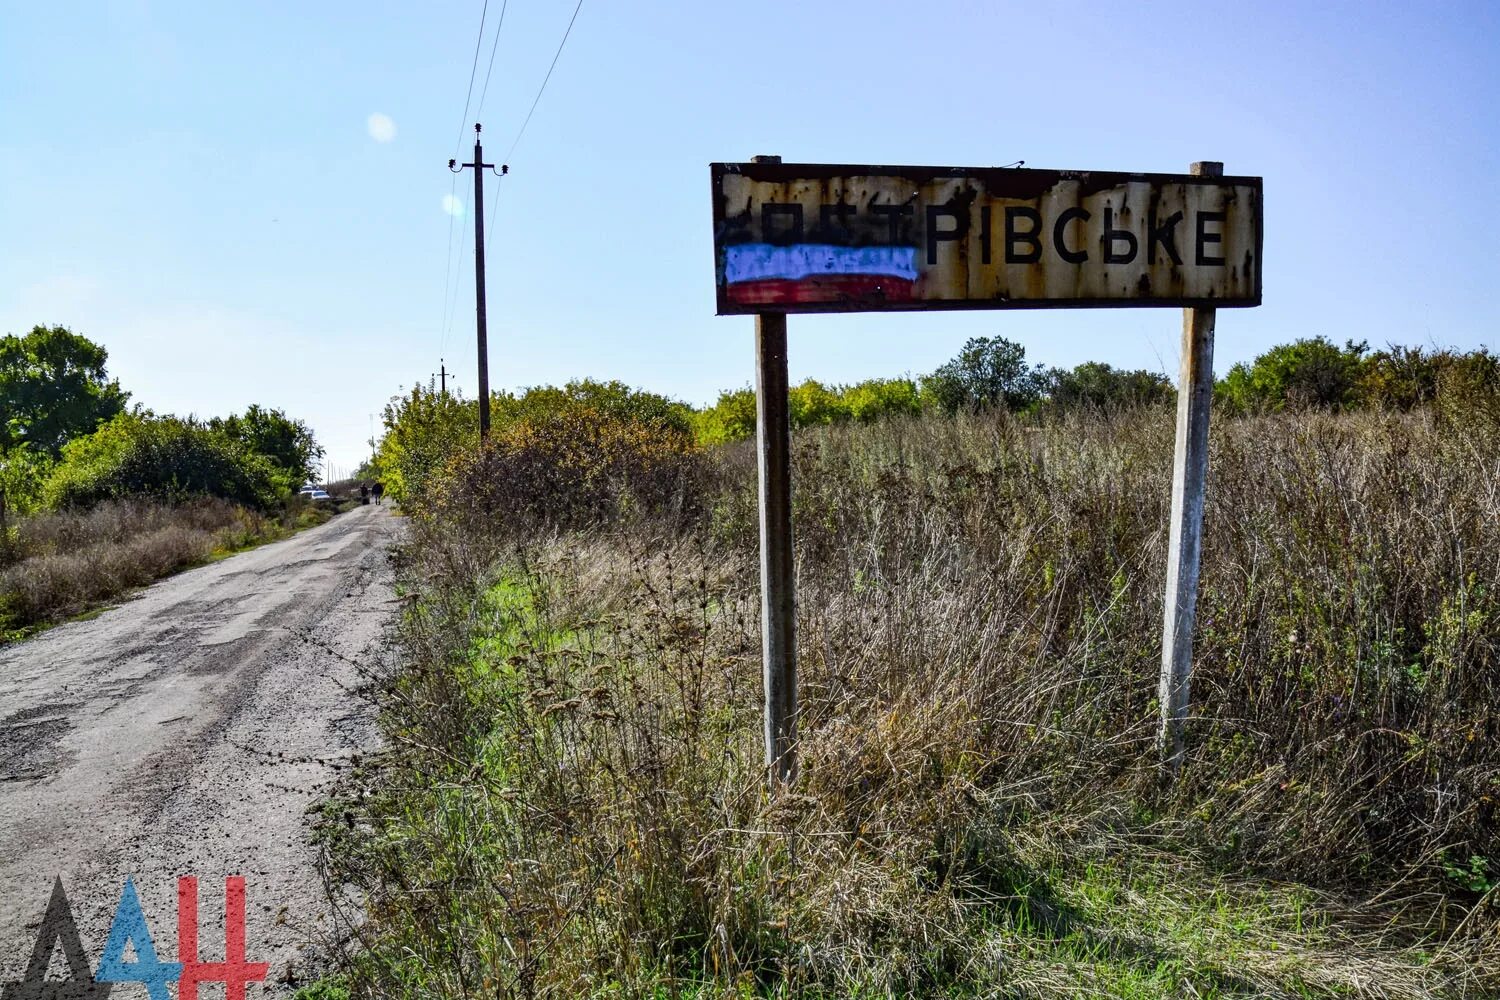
{"points": [[875, 398], [1309, 373], [812, 404], [988, 371], [23, 471], [732, 418], [53, 387], [423, 431], [288, 444], [612, 398], [1401, 378], [1100, 386], [164, 458]]}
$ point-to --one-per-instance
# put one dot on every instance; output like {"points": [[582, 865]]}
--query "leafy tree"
{"points": [[423, 430], [1309, 373], [23, 470], [53, 387], [1401, 378], [732, 418], [1101, 386], [813, 404], [988, 371], [875, 398], [613, 399], [166, 458], [287, 443]]}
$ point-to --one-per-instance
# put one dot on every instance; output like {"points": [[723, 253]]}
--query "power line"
{"points": [[499, 26], [446, 323], [543, 87], [458, 144]]}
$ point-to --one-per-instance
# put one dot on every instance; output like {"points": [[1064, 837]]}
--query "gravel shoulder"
{"points": [[186, 732]]}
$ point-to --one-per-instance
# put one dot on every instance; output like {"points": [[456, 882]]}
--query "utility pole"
{"points": [[443, 375], [479, 167]]}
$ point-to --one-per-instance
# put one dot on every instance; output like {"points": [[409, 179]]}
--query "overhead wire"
{"points": [[543, 87], [499, 27], [447, 321], [473, 70], [451, 310]]}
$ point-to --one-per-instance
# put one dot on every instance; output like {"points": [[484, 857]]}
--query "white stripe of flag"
{"points": [[762, 261]]}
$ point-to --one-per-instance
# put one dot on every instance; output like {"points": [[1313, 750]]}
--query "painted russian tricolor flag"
{"points": [[762, 274]]}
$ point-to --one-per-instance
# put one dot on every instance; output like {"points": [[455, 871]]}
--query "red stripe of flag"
{"points": [[823, 288]]}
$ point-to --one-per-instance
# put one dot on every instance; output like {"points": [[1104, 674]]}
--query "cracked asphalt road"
{"points": [[186, 732]]}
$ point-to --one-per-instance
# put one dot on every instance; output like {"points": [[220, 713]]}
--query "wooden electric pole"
{"points": [[443, 376], [1195, 391], [479, 167]]}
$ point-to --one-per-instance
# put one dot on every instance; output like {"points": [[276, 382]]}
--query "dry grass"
{"points": [[56, 565], [574, 804]]}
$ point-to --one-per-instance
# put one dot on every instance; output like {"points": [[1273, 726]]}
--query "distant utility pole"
{"points": [[443, 374], [479, 167]]}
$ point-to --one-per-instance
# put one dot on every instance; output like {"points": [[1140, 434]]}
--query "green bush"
{"points": [[286, 443], [1103, 387], [987, 372], [876, 398], [613, 399], [1313, 373], [423, 429], [23, 472], [165, 458], [732, 418]]}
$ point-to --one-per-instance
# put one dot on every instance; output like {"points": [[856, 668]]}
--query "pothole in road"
{"points": [[29, 741]]}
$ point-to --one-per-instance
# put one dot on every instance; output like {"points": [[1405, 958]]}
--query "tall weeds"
{"points": [[574, 802], [57, 564]]}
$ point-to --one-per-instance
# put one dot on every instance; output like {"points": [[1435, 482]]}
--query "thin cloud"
{"points": [[452, 205]]}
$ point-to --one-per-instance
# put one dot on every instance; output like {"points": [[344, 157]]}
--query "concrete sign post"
{"points": [[804, 238], [1195, 391]]}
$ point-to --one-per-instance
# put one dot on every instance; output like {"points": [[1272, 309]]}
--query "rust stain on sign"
{"points": [[792, 237]]}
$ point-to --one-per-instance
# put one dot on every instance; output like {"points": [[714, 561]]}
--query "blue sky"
{"points": [[197, 186]]}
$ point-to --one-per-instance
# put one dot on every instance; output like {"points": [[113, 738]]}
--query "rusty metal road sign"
{"points": [[796, 237]]}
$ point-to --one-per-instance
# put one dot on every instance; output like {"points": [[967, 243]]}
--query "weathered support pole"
{"points": [[778, 601], [1195, 389], [778, 582]]}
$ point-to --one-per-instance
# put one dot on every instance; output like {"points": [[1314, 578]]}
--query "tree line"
{"points": [[992, 372], [69, 437]]}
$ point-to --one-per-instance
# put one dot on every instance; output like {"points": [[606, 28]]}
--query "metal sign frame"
{"points": [[999, 185]]}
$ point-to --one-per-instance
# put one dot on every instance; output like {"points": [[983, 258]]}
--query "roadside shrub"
{"points": [[61, 563], [812, 404], [162, 458], [423, 431], [876, 398], [572, 467], [23, 473], [612, 399]]}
